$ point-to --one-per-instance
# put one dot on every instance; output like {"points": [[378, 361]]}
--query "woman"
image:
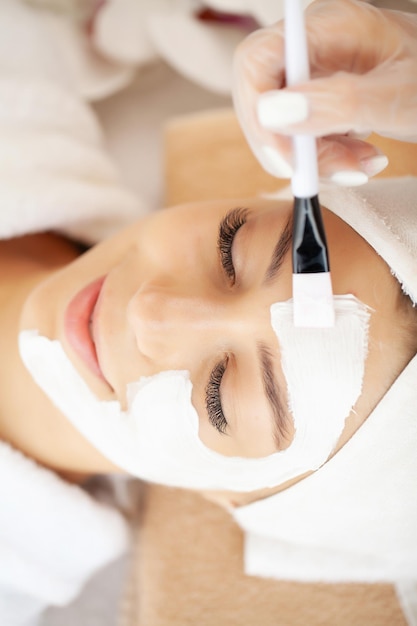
{"points": [[165, 277]]}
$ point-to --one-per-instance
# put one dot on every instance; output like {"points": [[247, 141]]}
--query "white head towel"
{"points": [[355, 519]]}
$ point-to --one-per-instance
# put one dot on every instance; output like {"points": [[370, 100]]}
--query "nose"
{"points": [[173, 327]]}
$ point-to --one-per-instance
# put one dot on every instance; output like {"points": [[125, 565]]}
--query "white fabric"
{"points": [[54, 169], [407, 595], [53, 538], [127, 35], [355, 519], [48, 45], [140, 31]]}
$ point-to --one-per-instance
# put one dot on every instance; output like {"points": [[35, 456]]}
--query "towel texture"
{"points": [[55, 173], [53, 537]]}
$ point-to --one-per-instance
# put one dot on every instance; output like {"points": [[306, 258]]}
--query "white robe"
{"points": [[53, 537]]}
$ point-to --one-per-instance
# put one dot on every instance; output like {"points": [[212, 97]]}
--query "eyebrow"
{"points": [[280, 251], [281, 416]]}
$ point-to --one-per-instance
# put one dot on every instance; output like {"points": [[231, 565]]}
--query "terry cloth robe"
{"points": [[53, 537]]}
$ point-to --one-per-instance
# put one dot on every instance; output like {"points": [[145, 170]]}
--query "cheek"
{"points": [[45, 305]]}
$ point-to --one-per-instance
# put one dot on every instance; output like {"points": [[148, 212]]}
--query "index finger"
{"points": [[258, 66]]}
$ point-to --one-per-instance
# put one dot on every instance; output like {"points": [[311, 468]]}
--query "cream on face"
{"points": [[324, 370], [156, 438]]}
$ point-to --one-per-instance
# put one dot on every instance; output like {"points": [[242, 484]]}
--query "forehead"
{"points": [[199, 221], [215, 209]]}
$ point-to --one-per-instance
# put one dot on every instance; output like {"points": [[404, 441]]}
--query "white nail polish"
{"points": [[349, 178], [278, 109], [275, 164], [375, 164]]}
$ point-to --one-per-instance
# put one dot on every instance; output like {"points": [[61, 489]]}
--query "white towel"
{"points": [[53, 537], [55, 172], [355, 519]]}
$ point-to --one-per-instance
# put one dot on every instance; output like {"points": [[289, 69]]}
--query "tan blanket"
{"points": [[188, 571]]}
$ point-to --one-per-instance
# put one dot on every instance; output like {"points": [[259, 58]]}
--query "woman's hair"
{"points": [[407, 323]]}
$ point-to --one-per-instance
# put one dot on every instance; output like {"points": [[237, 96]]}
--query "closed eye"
{"points": [[228, 228], [213, 401]]}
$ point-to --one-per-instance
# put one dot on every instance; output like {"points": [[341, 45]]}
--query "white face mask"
{"points": [[157, 439]]}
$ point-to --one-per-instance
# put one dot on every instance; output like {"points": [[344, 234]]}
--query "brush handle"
{"points": [[305, 180]]}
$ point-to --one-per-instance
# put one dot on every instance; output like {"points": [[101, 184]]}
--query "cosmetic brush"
{"points": [[312, 288]]}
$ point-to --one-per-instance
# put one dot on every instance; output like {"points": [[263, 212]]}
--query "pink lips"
{"points": [[79, 325]]}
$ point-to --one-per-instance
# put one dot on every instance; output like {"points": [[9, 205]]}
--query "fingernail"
{"points": [[375, 164], [275, 164], [349, 178], [277, 109]]}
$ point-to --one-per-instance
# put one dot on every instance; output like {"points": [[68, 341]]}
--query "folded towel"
{"points": [[53, 537]]}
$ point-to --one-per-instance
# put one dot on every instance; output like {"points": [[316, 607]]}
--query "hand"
{"points": [[363, 63]]}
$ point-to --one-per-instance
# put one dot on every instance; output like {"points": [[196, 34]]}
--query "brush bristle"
{"points": [[313, 300]]}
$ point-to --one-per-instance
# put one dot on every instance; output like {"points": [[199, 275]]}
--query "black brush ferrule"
{"points": [[309, 246]]}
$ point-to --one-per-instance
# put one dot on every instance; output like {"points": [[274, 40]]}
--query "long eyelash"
{"points": [[227, 231], [213, 404]]}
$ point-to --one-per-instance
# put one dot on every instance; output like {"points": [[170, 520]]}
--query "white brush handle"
{"points": [[305, 180]]}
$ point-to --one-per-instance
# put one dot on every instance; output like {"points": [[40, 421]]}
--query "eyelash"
{"points": [[227, 232], [213, 404]]}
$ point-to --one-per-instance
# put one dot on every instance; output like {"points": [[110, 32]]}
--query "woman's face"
{"points": [[190, 288]]}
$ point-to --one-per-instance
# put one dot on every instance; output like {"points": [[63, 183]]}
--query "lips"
{"points": [[79, 325]]}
